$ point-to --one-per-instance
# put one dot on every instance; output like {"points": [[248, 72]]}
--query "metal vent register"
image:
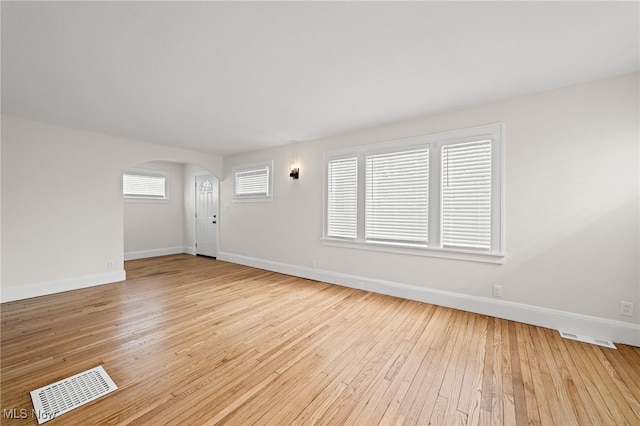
{"points": [[63, 396], [588, 339]]}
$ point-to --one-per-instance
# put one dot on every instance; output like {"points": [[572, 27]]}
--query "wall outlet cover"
{"points": [[497, 290], [626, 308]]}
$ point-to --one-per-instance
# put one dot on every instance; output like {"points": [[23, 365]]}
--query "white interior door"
{"points": [[206, 215]]}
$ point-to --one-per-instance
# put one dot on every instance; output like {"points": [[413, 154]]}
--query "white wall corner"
{"points": [[601, 328], [26, 291]]}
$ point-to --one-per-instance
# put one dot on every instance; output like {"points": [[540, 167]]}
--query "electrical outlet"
{"points": [[497, 290], [626, 309], [111, 264], [313, 264]]}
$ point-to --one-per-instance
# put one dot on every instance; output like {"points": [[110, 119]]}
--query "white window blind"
{"points": [[433, 195], [397, 196], [143, 186], [466, 195], [252, 183], [342, 198]]}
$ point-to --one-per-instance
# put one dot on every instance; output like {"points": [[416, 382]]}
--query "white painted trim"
{"points": [[26, 291], [443, 253], [143, 254], [601, 328]]}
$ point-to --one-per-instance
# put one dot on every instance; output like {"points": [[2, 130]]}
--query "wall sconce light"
{"points": [[295, 171]]}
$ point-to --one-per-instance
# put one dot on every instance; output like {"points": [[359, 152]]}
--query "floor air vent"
{"points": [[63, 396], [587, 339]]}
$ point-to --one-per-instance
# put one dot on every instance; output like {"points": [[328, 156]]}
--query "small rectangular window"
{"points": [[253, 182], [144, 186]]}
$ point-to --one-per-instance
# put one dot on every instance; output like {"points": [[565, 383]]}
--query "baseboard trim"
{"points": [[602, 328], [143, 254], [26, 291]]}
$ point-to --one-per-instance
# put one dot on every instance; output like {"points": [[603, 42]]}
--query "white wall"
{"points": [[62, 207], [572, 213]]}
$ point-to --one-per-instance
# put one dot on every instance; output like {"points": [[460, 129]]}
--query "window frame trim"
{"points": [[434, 142]]}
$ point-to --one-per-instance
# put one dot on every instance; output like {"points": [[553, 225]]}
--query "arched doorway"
{"points": [[162, 226]]}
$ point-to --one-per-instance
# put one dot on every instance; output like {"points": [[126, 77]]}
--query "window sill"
{"points": [[146, 200], [253, 200], [469, 255]]}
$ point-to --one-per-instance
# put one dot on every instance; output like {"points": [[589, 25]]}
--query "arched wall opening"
{"points": [[169, 226], [80, 241]]}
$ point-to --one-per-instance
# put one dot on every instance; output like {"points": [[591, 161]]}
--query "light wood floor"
{"points": [[192, 340]]}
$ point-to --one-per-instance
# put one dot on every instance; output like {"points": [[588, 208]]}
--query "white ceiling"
{"points": [[227, 77]]}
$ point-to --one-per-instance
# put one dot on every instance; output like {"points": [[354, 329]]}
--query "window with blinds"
{"points": [[466, 195], [138, 185], [253, 182], [434, 195], [397, 197], [342, 197]]}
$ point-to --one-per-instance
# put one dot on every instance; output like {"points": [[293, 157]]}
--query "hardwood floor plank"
{"points": [[626, 382], [364, 371], [454, 374], [487, 392], [591, 384], [398, 368], [428, 393], [609, 379], [421, 366], [531, 406], [497, 403], [421, 338], [507, 397], [193, 340], [545, 396], [579, 401]]}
